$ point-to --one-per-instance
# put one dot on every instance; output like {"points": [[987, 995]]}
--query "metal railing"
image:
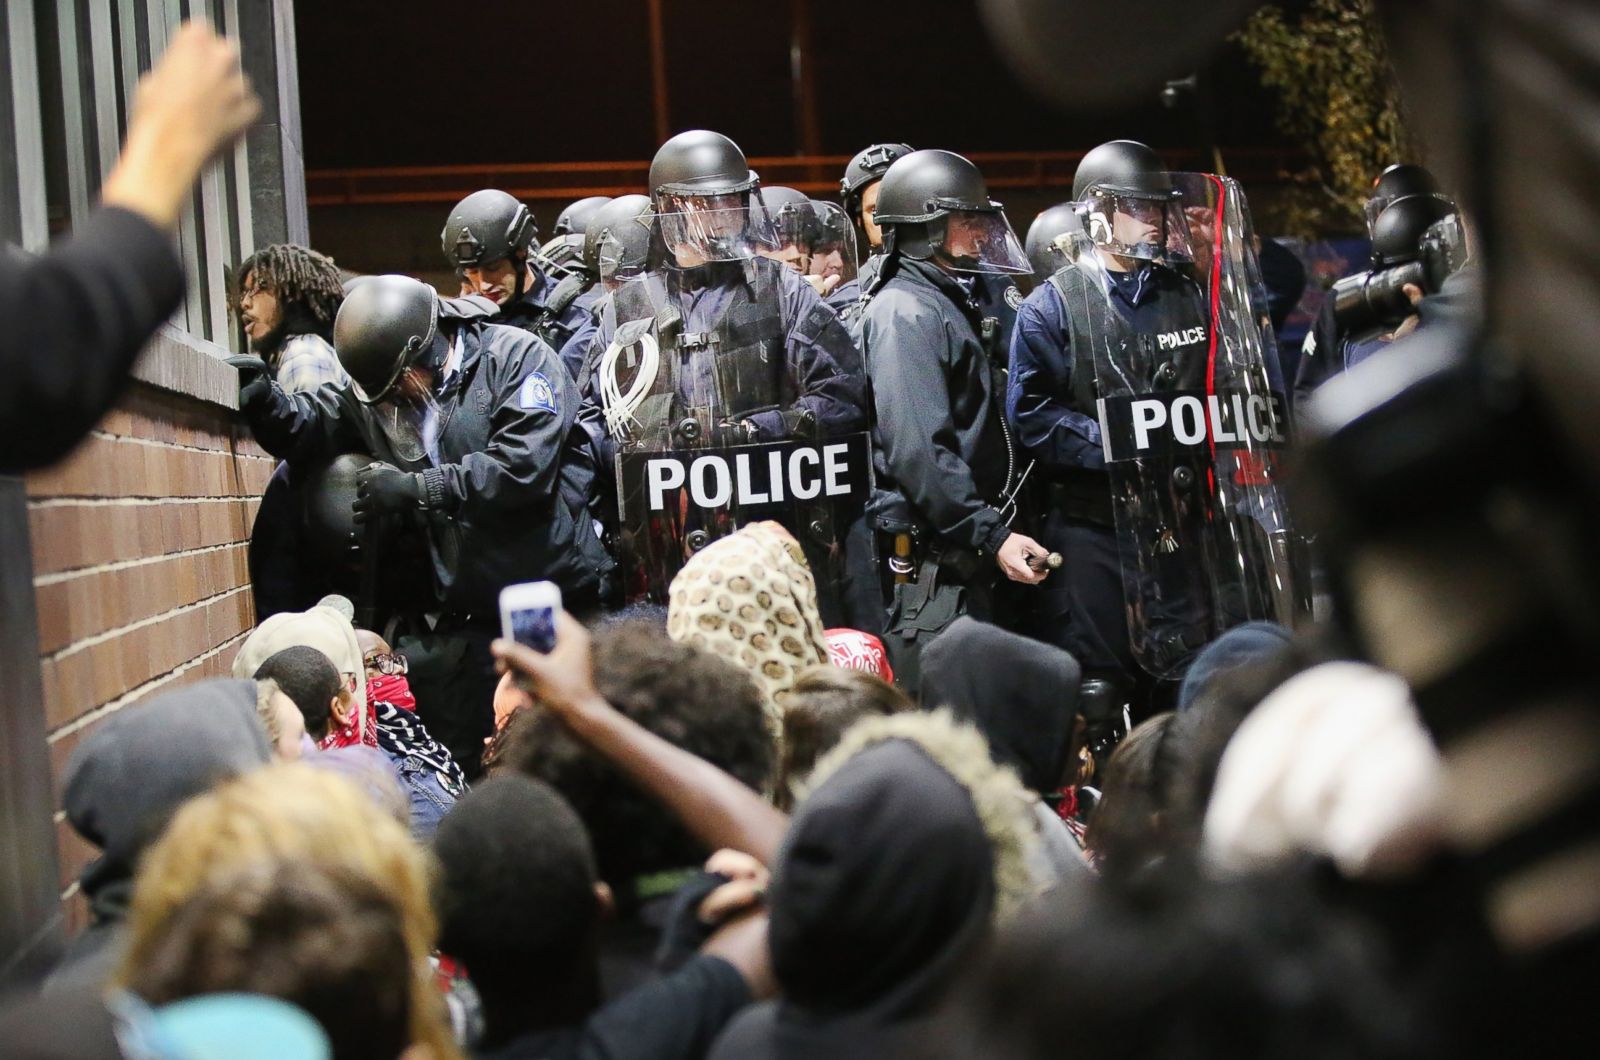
{"points": [[817, 174]]}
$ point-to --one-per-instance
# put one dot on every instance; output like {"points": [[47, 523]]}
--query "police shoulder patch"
{"points": [[537, 393], [1013, 296]]}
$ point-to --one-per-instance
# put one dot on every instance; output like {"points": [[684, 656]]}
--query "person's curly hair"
{"points": [[688, 697], [305, 282]]}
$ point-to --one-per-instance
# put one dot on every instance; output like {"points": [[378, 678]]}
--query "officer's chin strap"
{"points": [[521, 289]]}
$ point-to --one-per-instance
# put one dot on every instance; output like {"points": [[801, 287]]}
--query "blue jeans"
{"points": [[429, 801]]}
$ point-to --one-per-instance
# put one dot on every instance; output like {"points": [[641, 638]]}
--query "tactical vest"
{"points": [[1089, 319], [733, 368], [548, 324]]}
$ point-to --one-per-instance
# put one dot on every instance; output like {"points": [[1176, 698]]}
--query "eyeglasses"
{"points": [[390, 664]]}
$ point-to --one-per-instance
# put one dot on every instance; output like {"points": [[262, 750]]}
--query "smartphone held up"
{"points": [[528, 614]]}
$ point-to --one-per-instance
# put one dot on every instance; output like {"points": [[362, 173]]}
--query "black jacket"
{"points": [[76, 320], [508, 500], [940, 443]]}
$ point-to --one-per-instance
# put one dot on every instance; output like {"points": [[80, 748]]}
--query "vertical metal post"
{"points": [[103, 85], [803, 80], [22, 186], [30, 912], [72, 111], [658, 71]]}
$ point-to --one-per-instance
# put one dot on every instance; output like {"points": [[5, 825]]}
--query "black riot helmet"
{"points": [[574, 220], [1127, 177], [1398, 231], [565, 249], [699, 163], [1397, 182], [867, 166], [1124, 166], [487, 226], [385, 323], [793, 214], [1046, 247], [616, 242], [935, 205], [706, 202], [1402, 179]]}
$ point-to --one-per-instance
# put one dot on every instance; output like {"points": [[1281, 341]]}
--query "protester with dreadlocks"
{"points": [[285, 297]]}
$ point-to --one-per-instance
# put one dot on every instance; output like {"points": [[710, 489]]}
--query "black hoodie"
{"points": [[127, 779], [1021, 694], [883, 888]]}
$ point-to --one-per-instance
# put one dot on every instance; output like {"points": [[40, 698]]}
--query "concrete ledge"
{"points": [[183, 364]]}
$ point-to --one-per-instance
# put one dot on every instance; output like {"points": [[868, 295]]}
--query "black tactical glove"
{"points": [[255, 379], [382, 489], [734, 432], [800, 422]]}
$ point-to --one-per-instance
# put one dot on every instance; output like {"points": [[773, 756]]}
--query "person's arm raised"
{"points": [[715, 808]]}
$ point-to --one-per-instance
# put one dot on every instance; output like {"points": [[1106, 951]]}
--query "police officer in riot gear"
{"points": [[816, 241], [615, 249], [858, 194], [858, 188], [719, 346], [564, 250], [948, 467], [474, 429], [1141, 517], [489, 239], [616, 241], [1334, 345], [1051, 395], [1047, 250]]}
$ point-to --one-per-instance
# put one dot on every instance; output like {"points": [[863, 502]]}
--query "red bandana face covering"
{"points": [[392, 689], [352, 733]]}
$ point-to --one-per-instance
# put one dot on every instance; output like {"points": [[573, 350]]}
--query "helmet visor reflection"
{"points": [[982, 241]]}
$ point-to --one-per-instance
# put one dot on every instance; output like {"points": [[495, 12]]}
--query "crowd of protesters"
{"points": [[679, 851]]}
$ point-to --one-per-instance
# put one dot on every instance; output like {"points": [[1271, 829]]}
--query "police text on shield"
{"points": [[1138, 426], [751, 476]]}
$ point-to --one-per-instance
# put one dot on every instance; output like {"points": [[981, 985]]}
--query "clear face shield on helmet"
{"points": [[818, 241], [796, 229], [407, 412], [621, 260], [833, 252], [979, 241], [1149, 227], [704, 228]]}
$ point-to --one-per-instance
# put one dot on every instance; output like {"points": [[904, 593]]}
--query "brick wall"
{"points": [[139, 569]]}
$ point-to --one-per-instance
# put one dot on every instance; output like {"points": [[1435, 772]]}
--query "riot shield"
{"points": [[711, 427], [1192, 426]]}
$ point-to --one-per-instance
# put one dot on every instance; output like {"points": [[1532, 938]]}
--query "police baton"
{"points": [[1052, 561]]}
